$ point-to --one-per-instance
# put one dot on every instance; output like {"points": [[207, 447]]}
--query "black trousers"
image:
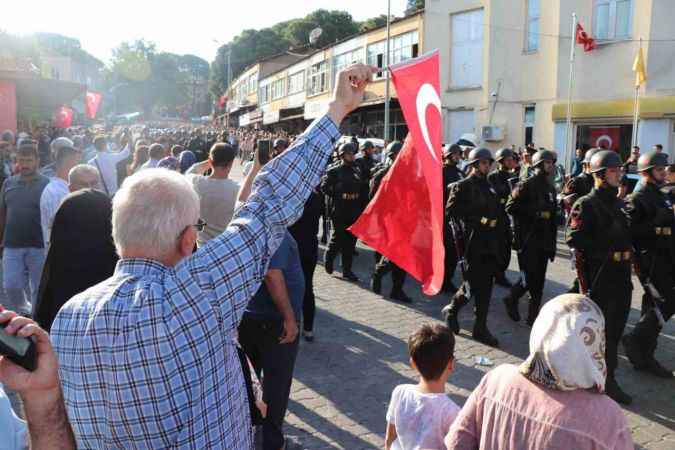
{"points": [[384, 266], [533, 262], [646, 331], [341, 241], [450, 258], [481, 275], [275, 362], [309, 255], [611, 290]]}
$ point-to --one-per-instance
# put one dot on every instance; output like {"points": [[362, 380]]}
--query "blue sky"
{"points": [[182, 27]]}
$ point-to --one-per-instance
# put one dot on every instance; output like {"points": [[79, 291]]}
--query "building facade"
{"points": [[505, 71]]}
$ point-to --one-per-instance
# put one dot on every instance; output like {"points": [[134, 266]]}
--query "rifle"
{"points": [[650, 289], [458, 238]]}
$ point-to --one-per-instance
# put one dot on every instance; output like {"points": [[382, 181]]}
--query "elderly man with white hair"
{"points": [[147, 358]]}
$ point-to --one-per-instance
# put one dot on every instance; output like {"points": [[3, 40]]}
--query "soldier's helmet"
{"points": [[544, 155], [650, 160], [503, 153], [479, 154], [589, 154], [347, 148], [605, 159]]}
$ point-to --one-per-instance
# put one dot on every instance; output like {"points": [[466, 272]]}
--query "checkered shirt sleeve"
{"points": [[147, 358]]}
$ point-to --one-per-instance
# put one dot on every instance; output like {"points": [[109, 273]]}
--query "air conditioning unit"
{"points": [[492, 133]]}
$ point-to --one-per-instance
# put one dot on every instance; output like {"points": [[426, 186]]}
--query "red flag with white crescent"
{"points": [[93, 101], [63, 117], [404, 221]]}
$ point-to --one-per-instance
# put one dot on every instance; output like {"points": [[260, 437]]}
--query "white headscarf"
{"points": [[567, 345]]}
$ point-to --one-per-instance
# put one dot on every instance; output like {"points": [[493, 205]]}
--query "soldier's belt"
{"points": [[350, 196], [488, 222], [544, 215], [663, 231], [621, 256]]}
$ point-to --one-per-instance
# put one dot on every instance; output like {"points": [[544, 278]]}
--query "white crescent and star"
{"points": [[427, 96]]}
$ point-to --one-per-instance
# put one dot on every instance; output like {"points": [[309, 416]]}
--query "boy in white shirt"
{"points": [[419, 416]]}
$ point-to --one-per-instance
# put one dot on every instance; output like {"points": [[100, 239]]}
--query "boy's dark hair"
{"points": [[222, 155], [431, 347], [28, 149]]}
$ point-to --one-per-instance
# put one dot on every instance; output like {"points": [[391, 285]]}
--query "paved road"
{"points": [[343, 379]]}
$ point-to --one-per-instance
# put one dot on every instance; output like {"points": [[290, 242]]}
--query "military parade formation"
{"points": [[516, 206]]}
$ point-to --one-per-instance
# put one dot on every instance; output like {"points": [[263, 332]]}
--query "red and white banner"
{"points": [[91, 104], [63, 118], [7, 106], [404, 221], [585, 39], [606, 138]]}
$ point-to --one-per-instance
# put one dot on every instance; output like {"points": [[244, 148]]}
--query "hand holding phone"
{"points": [[264, 151], [19, 350]]}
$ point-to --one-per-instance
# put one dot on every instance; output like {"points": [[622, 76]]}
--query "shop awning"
{"points": [[650, 108]]}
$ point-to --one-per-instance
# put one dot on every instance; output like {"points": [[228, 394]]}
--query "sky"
{"points": [[182, 27]]}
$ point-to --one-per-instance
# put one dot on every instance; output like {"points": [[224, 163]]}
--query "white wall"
{"points": [[655, 131]]}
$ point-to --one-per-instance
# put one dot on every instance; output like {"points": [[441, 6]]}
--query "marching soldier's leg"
{"points": [[398, 278], [481, 279], [517, 289], [535, 284], [381, 268], [614, 301], [640, 343], [450, 265], [334, 246], [348, 248]]}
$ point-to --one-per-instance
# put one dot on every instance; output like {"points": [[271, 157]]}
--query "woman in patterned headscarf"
{"points": [[555, 398]]}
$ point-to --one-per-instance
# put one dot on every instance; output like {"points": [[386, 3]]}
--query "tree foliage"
{"points": [[413, 5], [253, 45]]}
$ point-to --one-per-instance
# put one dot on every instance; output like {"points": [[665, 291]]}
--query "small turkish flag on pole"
{"points": [[63, 117], [93, 101], [585, 39], [404, 221]]}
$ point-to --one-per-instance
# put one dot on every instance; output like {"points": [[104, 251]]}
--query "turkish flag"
{"points": [[63, 117], [607, 138], [222, 100], [93, 101], [404, 221], [585, 39]]}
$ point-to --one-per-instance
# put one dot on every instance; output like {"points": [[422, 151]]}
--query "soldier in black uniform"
{"points": [[652, 223], [499, 180], [365, 161], [598, 230], [474, 206], [384, 265], [343, 186], [534, 210], [574, 189], [451, 174]]}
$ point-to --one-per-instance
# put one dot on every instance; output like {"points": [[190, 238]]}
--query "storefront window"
{"points": [[609, 137]]}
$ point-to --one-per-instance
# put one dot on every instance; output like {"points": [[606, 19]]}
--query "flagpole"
{"points": [[636, 106], [569, 128]]}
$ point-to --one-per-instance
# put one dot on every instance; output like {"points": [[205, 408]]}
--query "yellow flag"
{"points": [[639, 69]]}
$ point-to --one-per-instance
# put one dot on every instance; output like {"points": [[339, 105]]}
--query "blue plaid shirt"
{"points": [[147, 358]]}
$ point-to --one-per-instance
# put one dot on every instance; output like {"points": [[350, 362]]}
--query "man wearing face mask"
{"points": [[533, 207], [474, 209], [343, 186], [598, 231], [651, 222]]}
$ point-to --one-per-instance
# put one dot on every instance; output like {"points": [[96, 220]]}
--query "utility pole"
{"points": [[387, 95]]}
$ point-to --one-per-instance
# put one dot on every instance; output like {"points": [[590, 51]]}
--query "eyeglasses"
{"points": [[200, 225]]}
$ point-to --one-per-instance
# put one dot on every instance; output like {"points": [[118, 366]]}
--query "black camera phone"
{"points": [[264, 151], [19, 350]]}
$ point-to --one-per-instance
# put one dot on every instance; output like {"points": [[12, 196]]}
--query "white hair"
{"points": [[151, 210], [79, 170]]}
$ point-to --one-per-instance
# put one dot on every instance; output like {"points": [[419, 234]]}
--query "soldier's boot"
{"points": [[533, 309], [451, 311], [347, 274], [614, 392], [640, 345], [398, 278], [511, 301], [480, 329]]}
